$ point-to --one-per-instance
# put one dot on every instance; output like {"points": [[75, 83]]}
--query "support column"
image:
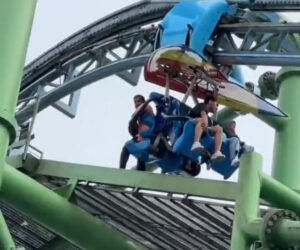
{"points": [[286, 159], [6, 241], [247, 202], [279, 195], [226, 114], [15, 24]]}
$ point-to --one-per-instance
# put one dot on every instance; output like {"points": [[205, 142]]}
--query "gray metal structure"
{"points": [[121, 42]]}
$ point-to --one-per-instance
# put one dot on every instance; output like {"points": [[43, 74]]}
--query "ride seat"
{"points": [[185, 141]]}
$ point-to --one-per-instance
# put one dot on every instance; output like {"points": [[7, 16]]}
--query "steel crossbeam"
{"points": [[257, 43], [97, 56], [136, 179]]}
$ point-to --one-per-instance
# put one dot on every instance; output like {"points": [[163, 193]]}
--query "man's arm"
{"points": [[149, 110], [137, 109]]}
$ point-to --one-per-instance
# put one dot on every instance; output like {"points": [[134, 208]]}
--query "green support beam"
{"points": [[287, 233], [15, 161], [247, 202], [67, 190], [15, 24], [144, 180], [4, 140], [277, 123], [58, 215], [252, 229], [279, 195], [226, 115], [286, 160], [6, 241]]}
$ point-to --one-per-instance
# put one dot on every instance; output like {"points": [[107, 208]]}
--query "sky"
{"points": [[97, 134]]}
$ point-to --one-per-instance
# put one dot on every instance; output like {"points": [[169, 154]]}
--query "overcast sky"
{"points": [[99, 131]]}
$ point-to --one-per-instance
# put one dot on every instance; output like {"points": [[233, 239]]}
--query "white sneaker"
{"points": [[217, 157], [235, 162], [197, 147], [199, 159], [248, 149]]}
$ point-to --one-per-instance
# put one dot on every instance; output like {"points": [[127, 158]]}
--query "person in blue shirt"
{"points": [[138, 128]]}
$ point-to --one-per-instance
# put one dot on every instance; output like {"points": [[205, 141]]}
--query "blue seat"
{"points": [[164, 131], [175, 139], [172, 107], [185, 141], [168, 162]]}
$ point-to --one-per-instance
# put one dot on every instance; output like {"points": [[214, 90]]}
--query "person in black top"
{"points": [[204, 123]]}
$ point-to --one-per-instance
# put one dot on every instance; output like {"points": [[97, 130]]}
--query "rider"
{"points": [[205, 124], [138, 128], [231, 133]]}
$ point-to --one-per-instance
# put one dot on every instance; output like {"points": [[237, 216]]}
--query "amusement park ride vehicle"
{"points": [[179, 63]]}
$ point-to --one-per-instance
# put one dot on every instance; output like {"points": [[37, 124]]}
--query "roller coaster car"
{"points": [[173, 134], [156, 146]]}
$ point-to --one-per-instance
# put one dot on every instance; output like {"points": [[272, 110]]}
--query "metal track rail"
{"points": [[98, 50]]}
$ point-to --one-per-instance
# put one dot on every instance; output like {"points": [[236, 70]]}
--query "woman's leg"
{"points": [[124, 157]]}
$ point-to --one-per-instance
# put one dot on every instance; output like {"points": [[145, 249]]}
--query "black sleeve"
{"points": [[133, 127], [196, 111]]}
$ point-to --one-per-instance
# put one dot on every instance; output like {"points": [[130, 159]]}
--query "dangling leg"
{"points": [[124, 158], [141, 165], [234, 149], [217, 131], [201, 125]]}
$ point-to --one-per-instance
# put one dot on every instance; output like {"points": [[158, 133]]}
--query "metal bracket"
{"points": [[269, 223], [268, 85], [69, 109], [67, 191]]}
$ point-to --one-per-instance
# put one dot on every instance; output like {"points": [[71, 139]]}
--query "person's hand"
{"points": [[204, 120], [138, 137], [203, 125]]}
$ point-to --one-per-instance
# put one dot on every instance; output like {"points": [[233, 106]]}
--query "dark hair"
{"points": [[139, 96], [209, 98]]}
